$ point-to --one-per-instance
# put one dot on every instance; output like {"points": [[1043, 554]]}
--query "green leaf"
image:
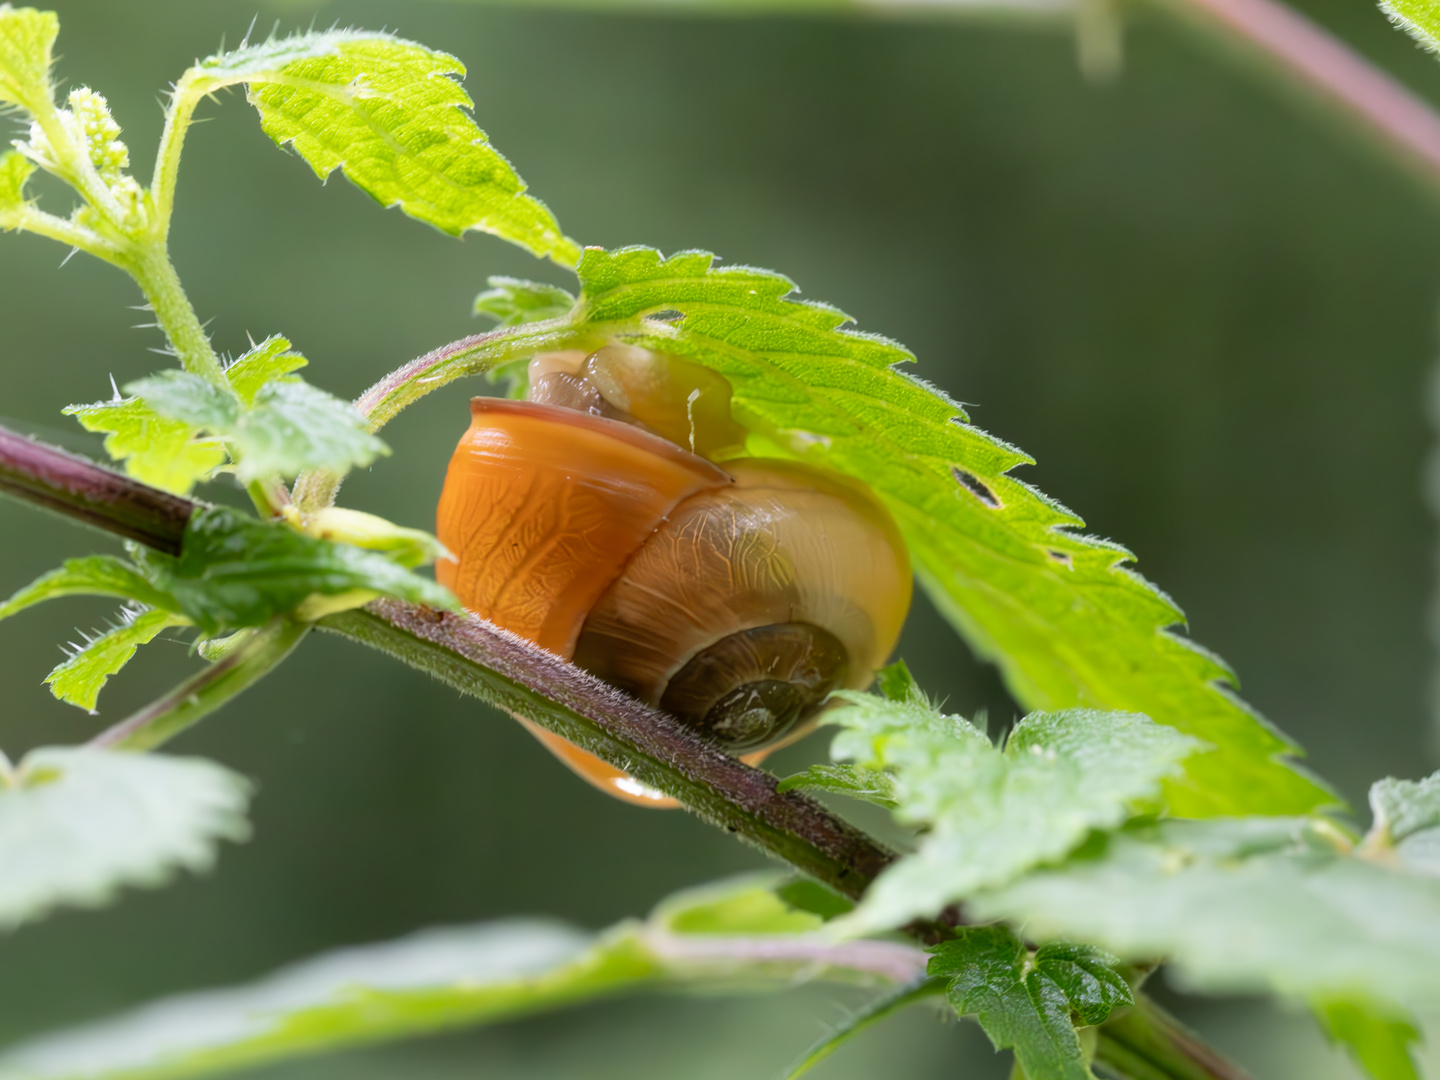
{"points": [[78, 824], [272, 426], [731, 936], [991, 814], [189, 398], [805, 894], [748, 905], [83, 675], [514, 301], [391, 114], [429, 981], [15, 170], [1061, 614], [27, 37], [1241, 905], [1418, 18], [271, 359], [1407, 823], [881, 1008], [156, 450], [1379, 1039], [869, 785], [234, 571], [295, 426], [94, 575], [1031, 1005]]}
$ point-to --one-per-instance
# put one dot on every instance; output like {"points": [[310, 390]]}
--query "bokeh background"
{"points": [[1206, 310]]}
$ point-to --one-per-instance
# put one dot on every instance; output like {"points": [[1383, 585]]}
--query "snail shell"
{"points": [[735, 598]]}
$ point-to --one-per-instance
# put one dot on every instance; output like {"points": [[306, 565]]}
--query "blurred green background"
{"points": [[1207, 311]]}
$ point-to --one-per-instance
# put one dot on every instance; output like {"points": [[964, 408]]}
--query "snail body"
{"points": [[733, 596]]}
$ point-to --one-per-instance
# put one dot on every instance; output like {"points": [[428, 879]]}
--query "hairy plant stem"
{"points": [[196, 698], [157, 279], [1147, 1043], [498, 667]]}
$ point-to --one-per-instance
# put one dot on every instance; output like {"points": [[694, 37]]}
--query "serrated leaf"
{"points": [[1406, 822], [234, 571], [1058, 611], [426, 982], [27, 38], [514, 301], [869, 785], [1418, 18], [1030, 1005], [155, 450], [271, 426], [94, 575], [76, 825], [15, 170], [79, 680], [392, 116], [1378, 1038], [188, 398], [991, 814], [1241, 905], [447, 978], [271, 359], [295, 426]]}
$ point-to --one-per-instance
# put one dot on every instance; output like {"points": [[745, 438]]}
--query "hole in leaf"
{"points": [[977, 487], [669, 315], [1063, 558]]}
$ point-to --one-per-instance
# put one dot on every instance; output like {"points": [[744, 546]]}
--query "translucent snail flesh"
{"points": [[734, 596]]}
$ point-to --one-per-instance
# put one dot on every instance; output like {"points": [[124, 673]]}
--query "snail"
{"points": [[608, 519]]}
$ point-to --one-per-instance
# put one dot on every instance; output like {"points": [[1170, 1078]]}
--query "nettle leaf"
{"points": [[989, 813], [271, 359], [1378, 1038], [869, 785], [446, 978], [289, 427], [514, 301], [155, 450], [1407, 823], [83, 675], [235, 571], [295, 426], [1241, 905], [392, 116], [1060, 612], [1418, 18], [15, 170], [1031, 1004], [94, 575], [78, 824], [27, 38]]}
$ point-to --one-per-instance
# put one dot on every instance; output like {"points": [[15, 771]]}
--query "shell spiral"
{"points": [[734, 596]]}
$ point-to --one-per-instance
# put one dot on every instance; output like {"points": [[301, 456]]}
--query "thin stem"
{"points": [[1147, 1043], [507, 671], [33, 220], [81, 489], [178, 116], [156, 277], [474, 355], [488, 663], [196, 698]]}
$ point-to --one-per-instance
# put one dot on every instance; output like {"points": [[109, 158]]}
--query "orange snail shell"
{"points": [[735, 597]]}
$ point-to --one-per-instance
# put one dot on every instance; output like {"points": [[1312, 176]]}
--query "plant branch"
{"points": [[1147, 1043], [197, 697], [81, 489], [507, 671]]}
